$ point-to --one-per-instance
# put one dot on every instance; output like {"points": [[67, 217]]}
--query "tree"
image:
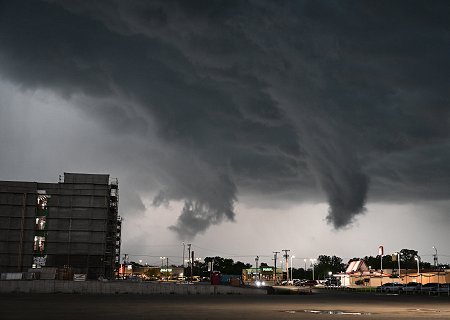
{"points": [[227, 266], [152, 273], [327, 264], [322, 259], [407, 258]]}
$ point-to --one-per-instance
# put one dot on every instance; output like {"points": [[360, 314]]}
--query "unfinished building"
{"points": [[73, 224]]}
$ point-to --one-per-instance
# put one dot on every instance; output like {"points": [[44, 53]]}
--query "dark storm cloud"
{"points": [[269, 98]]}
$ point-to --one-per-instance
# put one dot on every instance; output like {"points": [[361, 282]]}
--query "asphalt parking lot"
{"points": [[321, 304]]}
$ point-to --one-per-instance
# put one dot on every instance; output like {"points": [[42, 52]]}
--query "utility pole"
{"points": [[275, 267], [192, 265], [435, 258], [125, 263], [184, 270], [189, 249], [256, 268], [286, 256], [167, 264]]}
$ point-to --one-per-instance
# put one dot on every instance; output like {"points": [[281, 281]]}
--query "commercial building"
{"points": [[359, 274], [72, 225], [165, 273], [265, 273]]}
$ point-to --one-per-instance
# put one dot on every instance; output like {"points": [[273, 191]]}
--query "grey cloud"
{"points": [[298, 101]]}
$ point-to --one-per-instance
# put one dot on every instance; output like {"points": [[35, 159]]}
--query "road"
{"points": [[318, 305]]}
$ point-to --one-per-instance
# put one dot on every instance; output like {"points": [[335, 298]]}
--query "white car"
{"points": [[390, 287], [410, 287], [396, 287]]}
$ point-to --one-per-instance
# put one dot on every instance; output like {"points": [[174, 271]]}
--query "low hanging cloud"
{"points": [[293, 101]]}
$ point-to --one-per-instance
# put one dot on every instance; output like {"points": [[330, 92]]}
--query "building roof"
{"points": [[355, 266]]}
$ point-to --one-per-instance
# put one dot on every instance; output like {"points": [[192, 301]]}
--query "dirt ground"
{"points": [[321, 304]]}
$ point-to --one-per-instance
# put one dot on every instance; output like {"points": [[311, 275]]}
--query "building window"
{"points": [[40, 223], [39, 243], [42, 202]]}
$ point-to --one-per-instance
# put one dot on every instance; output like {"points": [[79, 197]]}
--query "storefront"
{"points": [[264, 273]]}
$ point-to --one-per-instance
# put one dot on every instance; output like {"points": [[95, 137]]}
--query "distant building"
{"points": [[359, 274], [167, 273], [264, 273], [71, 224]]}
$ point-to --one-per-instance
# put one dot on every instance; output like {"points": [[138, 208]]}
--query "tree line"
{"points": [[323, 266]]}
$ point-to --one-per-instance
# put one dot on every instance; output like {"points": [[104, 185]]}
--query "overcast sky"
{"points": [[240, 127]]}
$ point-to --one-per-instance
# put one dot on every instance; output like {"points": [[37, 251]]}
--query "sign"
{"points": [[267, 269], [166, 270], [79, 277], [380, 250], [40, 261]]}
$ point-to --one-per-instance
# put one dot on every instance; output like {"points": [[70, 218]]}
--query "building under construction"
{"points": [[73, 224]]}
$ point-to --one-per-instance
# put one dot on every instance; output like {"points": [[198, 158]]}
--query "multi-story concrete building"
{"points": [[70, 224]]}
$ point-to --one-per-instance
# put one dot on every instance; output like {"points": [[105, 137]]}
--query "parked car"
{"points": [[410, 287], [309, 283], [426, 288], [390, 287], [299, 282], [396, 287], [442, 288], [362, 281], [333, 282]]}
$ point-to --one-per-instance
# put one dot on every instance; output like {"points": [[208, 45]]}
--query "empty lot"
{"points": [[318, 305]]}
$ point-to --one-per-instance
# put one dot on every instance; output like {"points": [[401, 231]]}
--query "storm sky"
{"points": [[241, 127]]}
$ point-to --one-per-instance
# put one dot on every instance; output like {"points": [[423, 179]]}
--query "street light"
{"points": [[256, 267], [305, 268], [313, 261], [418, 269], [398, 259], [282, 271], [435, 258], [291, 269], [162, 265]]}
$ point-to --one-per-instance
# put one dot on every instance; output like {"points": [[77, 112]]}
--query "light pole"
{"points": [[162, 265], [256, 267], [312, 264], [305, 268], [435, 259], [291, 269], [282, 271], [398, 259], [417, 259]]}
